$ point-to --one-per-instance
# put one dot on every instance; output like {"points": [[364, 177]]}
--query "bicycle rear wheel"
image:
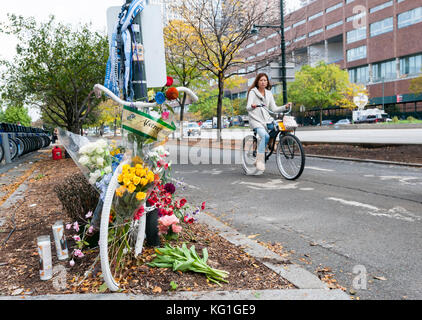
{"points": [[290, 157], [249, 147]]}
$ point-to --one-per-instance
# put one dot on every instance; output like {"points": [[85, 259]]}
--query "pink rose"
{"points": [[176, 228], [165, 115]]}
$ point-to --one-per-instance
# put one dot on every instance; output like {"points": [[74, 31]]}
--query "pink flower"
{"points": [[203, 205], [76, 238], [176, 228], [165, 115], [88, 215], [68, 226], [78, 253], [168, 220], [72, 262], [76, 226], [90, 229]]}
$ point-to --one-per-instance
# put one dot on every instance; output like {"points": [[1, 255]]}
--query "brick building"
{"points": [[379, 42]]}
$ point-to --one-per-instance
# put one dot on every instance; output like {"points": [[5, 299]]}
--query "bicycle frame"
{"points": [[272, 141]]}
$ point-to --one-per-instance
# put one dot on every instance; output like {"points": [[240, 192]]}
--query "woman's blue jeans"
{"points": [[265, 137]]}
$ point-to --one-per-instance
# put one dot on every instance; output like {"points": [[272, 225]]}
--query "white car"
{"points": [[343, 121], [192, 129], [207, 124]]}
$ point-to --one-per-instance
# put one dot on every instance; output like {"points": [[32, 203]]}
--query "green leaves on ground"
{"points": [[184, 259]]}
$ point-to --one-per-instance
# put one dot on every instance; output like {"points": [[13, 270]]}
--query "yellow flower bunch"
{"points": [[134, 179], [115, 152]]}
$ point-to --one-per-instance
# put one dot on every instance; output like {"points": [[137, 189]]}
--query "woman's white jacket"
{"points": [[259, 117]]}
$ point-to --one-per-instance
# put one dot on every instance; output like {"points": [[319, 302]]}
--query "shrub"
{"points": [[411, 119], [77, 196], [395, 119]]}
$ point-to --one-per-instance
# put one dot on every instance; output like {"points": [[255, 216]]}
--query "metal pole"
{"points": [[383, 93], [283, 52], [140, 93]]}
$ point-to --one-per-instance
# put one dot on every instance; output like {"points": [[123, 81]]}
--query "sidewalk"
{"points": [[309, 286]]}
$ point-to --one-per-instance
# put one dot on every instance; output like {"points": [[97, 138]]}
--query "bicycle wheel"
{"points": [[249, 147], [13, 148], [1, 153], [290, 157]]}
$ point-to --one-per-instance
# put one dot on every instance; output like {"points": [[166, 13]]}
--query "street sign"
{"points": [[153, 43], [361, 100]]}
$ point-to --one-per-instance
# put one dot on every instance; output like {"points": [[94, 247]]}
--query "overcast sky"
{"points": [[73, 12]]}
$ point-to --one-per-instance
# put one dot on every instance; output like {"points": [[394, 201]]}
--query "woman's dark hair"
{"points": [[255, 83]]}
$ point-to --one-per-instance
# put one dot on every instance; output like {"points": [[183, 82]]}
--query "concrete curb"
{"points": [[298, 276], [405, 164]]}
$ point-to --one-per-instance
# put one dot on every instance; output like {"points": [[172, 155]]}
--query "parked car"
{"points": [[326, 123], [372, 119], [192, 129], [207, 124], [343, 121]]}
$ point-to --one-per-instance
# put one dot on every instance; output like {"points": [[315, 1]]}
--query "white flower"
{"points": [[107, 169], [84, 160], [100, 161]]}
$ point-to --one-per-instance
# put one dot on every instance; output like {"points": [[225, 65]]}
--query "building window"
{"points": [[356, 16], [299, 23], [411, 65], [349, 1], [381, 27], [359, 75], [410, 17], [300, 38], [334, 7], [314, 33], [319, 14], [381, 6], [336, 24], [273, 35], [384, 70], [356, 35], [356, 53]]}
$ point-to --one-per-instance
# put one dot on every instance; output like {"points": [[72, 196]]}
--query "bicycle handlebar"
{"points": [[138, 104], [272, 112]]}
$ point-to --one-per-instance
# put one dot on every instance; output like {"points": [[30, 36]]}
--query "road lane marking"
{"points": [[319, 169], [274, 184], [398, 213]]}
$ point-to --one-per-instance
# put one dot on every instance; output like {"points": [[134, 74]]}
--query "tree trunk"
{"points": [[220, 104]]}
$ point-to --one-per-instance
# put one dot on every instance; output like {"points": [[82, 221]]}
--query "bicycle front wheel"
{"points": [[290, 157], [249, 149]]}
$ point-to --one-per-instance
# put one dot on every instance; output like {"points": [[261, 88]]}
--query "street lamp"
{"points": [[255, 30]]}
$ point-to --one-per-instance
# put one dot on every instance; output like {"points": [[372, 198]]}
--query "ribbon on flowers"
{"points": [[146, 125]]}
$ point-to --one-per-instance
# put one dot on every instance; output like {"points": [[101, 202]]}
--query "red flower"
{"points": [[203, 205], [139, 213], [188, 220], [169, 81], [182, 202], [172, 93]]}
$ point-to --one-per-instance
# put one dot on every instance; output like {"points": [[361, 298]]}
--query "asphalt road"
{"points": [[361, 220], [337, 134]]}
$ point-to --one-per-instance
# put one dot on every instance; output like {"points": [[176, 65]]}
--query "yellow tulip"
{"points": [[136, 180], [131, 188], [120, 178], [140, 196]]}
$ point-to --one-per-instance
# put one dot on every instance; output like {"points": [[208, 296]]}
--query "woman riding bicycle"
{"points": [[259, 119]]}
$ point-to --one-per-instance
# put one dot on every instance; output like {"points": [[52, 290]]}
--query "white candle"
{"points": [[44, 251], [60, 240]]}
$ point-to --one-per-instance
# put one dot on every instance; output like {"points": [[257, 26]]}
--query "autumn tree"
{"points": [[55, 69], [416, 85], [320, 87], [182, 66], [218, 29]]}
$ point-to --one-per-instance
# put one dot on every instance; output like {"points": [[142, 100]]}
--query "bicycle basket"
{"points": [[289, 123]]}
